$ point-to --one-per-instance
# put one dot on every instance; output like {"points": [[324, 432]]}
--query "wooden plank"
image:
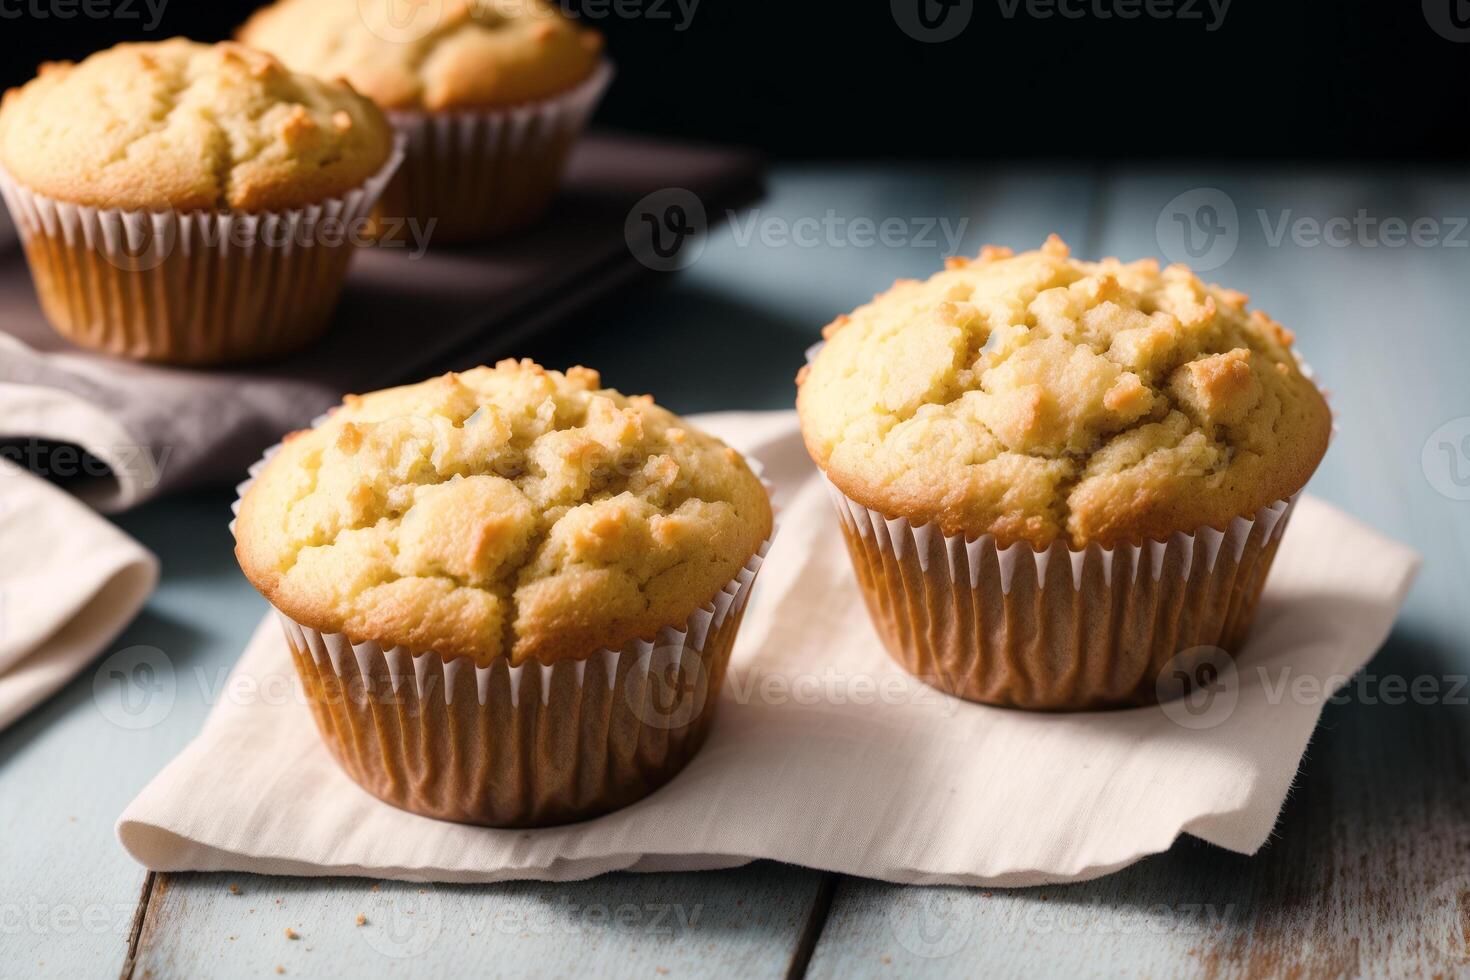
{"points": [[1369, 872], [67, 769], [746, 922]]}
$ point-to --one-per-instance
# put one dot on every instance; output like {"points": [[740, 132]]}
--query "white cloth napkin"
{"points": [[825, 753], [69, 582]]}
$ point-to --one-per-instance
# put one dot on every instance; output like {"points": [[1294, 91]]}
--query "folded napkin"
{"points": [[403, 316], [825, 753], [69, 583]]}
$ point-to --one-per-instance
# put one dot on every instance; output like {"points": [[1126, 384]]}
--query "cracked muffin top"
{"points": [[503, 512], [450, 54], [1035, 397], [175, 124]]}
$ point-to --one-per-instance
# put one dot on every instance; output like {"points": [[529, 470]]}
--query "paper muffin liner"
{"points": [[1059, 629], [481, 174], [198, 288], [521, 746], [518, 746]]}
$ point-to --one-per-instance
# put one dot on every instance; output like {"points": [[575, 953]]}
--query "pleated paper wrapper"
{"points": [[482, 174], [1060, 629], [202, 288]]}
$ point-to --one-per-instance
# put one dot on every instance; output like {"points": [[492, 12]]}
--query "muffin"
{"points": [[490, 95], [511, 594], [189, 203], [1055, 477]]}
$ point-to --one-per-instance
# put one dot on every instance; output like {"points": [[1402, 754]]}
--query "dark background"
{"points": [[1313, 80]]}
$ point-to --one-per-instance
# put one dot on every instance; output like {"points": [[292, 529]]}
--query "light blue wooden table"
{"points": [[1370, 869]]}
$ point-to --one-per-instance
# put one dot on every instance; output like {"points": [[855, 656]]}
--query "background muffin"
{"points": [[1038, 400], [491, 94], [142, 134], [434, 57], [189, 127], [495, 518]]}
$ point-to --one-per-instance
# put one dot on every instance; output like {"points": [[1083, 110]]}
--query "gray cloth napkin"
{"points": [[149, 429]]}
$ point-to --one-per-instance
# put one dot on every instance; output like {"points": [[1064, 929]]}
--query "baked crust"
{"points": [[458, 54], [175, 124], [1035, 397], [502, 512]]}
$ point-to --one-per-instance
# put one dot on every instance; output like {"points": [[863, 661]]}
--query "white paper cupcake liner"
{"points": [[1058, 629], [518, 746], [479, 174], [521, 746], [192, 288]]}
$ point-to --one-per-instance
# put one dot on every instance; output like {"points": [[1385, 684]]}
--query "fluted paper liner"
{"points": [[200, 288], [480, 174], [523, 746], [520, 746], [1058, 629]]}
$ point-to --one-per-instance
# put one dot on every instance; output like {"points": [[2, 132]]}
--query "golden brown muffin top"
{"points": [[1036, 396], [175, 124], [452, 54], [502, 512]]}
